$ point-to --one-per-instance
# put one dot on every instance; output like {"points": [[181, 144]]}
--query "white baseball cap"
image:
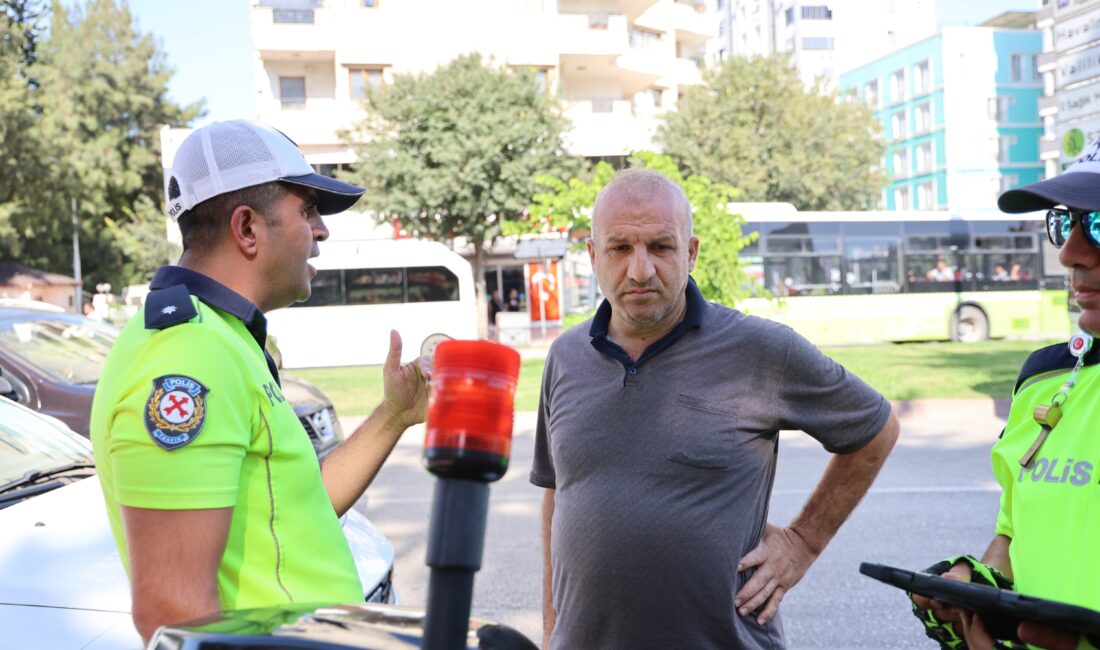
{"points": [[228, 156]]}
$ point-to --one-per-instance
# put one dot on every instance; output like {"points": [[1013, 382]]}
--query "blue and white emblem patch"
{"points": [[175, 411]]}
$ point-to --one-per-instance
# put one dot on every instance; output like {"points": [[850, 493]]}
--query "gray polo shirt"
{"points": [[663, 469]]}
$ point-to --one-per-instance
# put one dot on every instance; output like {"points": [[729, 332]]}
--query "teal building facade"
{"points": [[960, 116]]}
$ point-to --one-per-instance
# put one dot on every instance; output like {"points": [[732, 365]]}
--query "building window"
{"points": [[304, 16], [1035, 67], [901, 198], [362, 80], [817, 43], [926, 196], [1018, 63], [370, 4], [292, 92], [901, 163], [898, 125], [924, 158], [998, 107], [897, 86], [790, 15], [922, 77], [1004, 148], [647, 41], [816, 12], [923, 116], [870, 93], [647, 101]]}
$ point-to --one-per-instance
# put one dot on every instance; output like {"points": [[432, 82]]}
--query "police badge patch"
{"points": [[176, 410]]}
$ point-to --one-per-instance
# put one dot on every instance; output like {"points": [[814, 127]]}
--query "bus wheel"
{"points": [[969, 324], [427, 348]]}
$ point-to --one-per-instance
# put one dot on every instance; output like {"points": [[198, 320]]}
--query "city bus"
{"points": [[860, 277], [365, 288]]}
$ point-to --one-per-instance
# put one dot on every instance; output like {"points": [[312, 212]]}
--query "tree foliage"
{"points": [[753, 124], [719, 270], [454, 153], [90, 97]]}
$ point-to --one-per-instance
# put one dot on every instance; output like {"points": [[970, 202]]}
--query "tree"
{"points": [[719, 270], [753, 124], [454, 153], [98, 98], [20, 31]]}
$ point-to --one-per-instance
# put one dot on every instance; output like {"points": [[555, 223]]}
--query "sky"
{"points": [[209, 46]]}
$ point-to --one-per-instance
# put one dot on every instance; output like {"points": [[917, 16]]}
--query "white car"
{"points": [[62, 584]]}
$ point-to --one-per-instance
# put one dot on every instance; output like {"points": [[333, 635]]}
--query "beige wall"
{"points": [[586, 52]]}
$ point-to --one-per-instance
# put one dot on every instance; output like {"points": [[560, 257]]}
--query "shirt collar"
{"points": [[216, 295], [693, 314]]}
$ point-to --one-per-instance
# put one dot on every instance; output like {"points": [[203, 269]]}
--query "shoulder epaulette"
{"points": [[167, 307], [1052, 358]]}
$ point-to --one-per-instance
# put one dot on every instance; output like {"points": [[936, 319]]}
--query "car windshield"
{"points": [[66, 348], [30, 442]]}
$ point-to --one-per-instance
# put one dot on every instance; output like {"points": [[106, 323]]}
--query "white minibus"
{"points": [[365, 288]]}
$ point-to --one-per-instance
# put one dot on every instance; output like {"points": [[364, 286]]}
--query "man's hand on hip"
{"points": [[781, 559]]}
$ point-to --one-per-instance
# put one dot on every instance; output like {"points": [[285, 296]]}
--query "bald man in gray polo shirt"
{"points": [[656, 443]]}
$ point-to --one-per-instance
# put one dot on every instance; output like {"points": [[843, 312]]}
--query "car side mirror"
{"points": [[7, 389]]}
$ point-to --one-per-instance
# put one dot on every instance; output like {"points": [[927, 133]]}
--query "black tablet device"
{"points": [[1001, 611]]}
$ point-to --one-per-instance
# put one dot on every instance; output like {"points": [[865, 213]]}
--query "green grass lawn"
{"points": [[902, 372], [357, 390], [938, 370]]}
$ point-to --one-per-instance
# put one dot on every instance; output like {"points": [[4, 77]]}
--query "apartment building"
{"points": [[823, 38], [616, 63], [960, 114], [1070, 67]]}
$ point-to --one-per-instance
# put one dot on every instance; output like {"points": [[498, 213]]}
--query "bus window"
{"points": [[806, 275], [872, 264], [374, 286], [432, 284], [326, 288]]}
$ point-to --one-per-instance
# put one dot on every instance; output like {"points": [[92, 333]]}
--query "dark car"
{"points": [[51, 361]]}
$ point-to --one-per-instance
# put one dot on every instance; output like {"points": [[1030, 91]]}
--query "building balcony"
{"points": [[1045, 13], [1047, 61], [311, 123], [303, 34], [1048, 105], [693, 23], [634, 8], [688, 22], [593, 34], [608, 127], [1049, 146]]}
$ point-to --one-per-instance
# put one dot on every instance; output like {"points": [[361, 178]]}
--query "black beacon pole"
{"points": [[466, 445]]}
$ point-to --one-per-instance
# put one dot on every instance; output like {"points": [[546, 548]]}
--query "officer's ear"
{"points": [[243, 226]]}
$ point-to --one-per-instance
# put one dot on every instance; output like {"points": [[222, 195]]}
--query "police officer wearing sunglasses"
{"points": [[1047, 460]]}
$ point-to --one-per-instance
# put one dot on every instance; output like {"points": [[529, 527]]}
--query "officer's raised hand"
{"points": [[406, 386]]}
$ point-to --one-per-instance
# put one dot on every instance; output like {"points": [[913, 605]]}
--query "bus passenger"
{"points": [[942, 272]]}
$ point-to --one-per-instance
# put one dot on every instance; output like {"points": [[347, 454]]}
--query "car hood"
{"points": [[304, 396], [57, 550]]}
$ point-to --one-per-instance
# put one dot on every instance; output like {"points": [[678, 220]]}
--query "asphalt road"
{"points": [[936, 497]]}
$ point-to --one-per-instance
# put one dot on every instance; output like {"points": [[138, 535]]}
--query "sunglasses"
{"points": [[1061, 220]]}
